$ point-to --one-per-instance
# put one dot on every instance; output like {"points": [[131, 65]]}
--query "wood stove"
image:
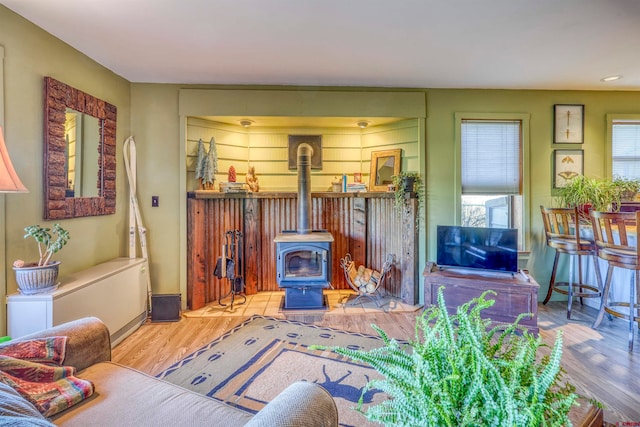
{"points": [[304, 255], [303, 267]]}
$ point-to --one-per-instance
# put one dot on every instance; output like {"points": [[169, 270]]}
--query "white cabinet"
{"points": [[114, 291]]}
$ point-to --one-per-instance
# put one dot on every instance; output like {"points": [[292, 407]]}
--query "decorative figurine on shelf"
{"points": [[252, 180], [231, 176], [336, 184], [206, 165]]}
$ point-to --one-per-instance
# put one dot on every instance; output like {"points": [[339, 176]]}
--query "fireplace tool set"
{"points": [[229, 266]]}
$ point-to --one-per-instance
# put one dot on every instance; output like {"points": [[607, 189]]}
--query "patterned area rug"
{"points": [[251, 364]]}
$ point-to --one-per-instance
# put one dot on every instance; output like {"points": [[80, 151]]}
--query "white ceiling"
{"points": [[511, 44]]}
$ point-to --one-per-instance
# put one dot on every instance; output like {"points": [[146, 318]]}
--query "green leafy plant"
{"points": [[399, 190], [626, 187], [50, 240], [596, 194], [459, 371]]}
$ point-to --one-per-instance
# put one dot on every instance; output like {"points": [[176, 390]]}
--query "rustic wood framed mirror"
{"points": [[384, 165], [69, 192]]}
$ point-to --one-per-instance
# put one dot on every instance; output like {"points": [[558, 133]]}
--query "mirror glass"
{"points": [[79, 153], [83, 134]]}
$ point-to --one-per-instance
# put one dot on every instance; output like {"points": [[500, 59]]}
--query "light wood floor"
{"points": [[597, 361]]}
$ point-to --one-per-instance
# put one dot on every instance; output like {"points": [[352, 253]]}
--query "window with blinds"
{"points": [[491, 174], [625, 149], [491, 157]]}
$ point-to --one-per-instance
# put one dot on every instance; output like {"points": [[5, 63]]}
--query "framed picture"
{"points": [[567, 164], [384, 165], [315, 141], [568, 124]]}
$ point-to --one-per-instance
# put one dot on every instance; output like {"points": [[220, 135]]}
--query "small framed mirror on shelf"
{"points": [[384, 165]]}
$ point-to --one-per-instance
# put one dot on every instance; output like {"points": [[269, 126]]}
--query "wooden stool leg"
{"points": [[580, 277], [598, 275], [570, 287], [637, 319], [604, 297], [552, 281], [632, 309]]}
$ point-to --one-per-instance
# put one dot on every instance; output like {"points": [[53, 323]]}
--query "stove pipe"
{"points": [[304, 188]]}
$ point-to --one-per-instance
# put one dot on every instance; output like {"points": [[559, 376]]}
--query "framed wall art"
{"points": [[315, 141], [384, 165], [567, 164], [568, 123]]}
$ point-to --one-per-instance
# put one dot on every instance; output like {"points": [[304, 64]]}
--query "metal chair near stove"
{"points": [[614, 233], [562, 232], [366, 282]]}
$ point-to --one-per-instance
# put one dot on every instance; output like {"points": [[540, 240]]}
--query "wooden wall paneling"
{"points": [[384, 238], [196, 257], [252, 245], [333, 214], [409, 293], [278, 214], [343, 214], [266, 214], [222, 215], [358, 235], [215, 238], [368, 227]]}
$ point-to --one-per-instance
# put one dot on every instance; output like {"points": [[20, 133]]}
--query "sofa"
{"points": [[127, 397]]}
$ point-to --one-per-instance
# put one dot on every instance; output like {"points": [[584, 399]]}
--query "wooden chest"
{"points": [[515, 294]]}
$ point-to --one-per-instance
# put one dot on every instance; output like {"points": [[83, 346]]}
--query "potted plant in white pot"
{"points": [[41, 276]]}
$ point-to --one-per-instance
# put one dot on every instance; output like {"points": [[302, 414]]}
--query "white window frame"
{"points": [[524, 119], [611, 118]]}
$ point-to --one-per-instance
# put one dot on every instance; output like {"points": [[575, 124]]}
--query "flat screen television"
{"points": [[493, 249]]}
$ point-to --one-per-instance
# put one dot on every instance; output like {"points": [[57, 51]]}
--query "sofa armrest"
{"points": [[302, 404], [88, 341]]}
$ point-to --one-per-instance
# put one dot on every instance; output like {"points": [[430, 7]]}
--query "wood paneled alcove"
{"points": [[364, 224]]}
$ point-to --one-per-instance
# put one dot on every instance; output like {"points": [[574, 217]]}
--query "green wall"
{"points": [[151, 113], [159, 121], [157, 132], [442, 187], [30, 54]]}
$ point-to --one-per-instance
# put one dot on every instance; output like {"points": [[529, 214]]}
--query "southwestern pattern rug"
{"points": [[248, 366]]}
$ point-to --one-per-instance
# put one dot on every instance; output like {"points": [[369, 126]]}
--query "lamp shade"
{"points": [[9, 181]]}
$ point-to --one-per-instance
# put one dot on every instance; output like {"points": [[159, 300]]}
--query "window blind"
{"points": [[491, 157], [625, 149]]}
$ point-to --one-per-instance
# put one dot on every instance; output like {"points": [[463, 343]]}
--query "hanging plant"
{"points": [[400, 191]]}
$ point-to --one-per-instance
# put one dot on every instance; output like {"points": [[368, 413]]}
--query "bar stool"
{"points": [[613, 232], [562, 231]]}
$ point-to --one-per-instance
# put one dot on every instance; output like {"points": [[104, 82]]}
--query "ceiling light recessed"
{"points": [[611, 78], [246, 123], [363, 124]]}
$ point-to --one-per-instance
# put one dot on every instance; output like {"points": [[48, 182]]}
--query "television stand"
{"points": [[496, 274], [516, 293]]}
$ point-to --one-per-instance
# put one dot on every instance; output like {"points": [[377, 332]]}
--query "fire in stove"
{"points": [[304, 256]]}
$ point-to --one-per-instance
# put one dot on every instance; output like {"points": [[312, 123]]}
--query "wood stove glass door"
{"points": [[305, 263]]}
